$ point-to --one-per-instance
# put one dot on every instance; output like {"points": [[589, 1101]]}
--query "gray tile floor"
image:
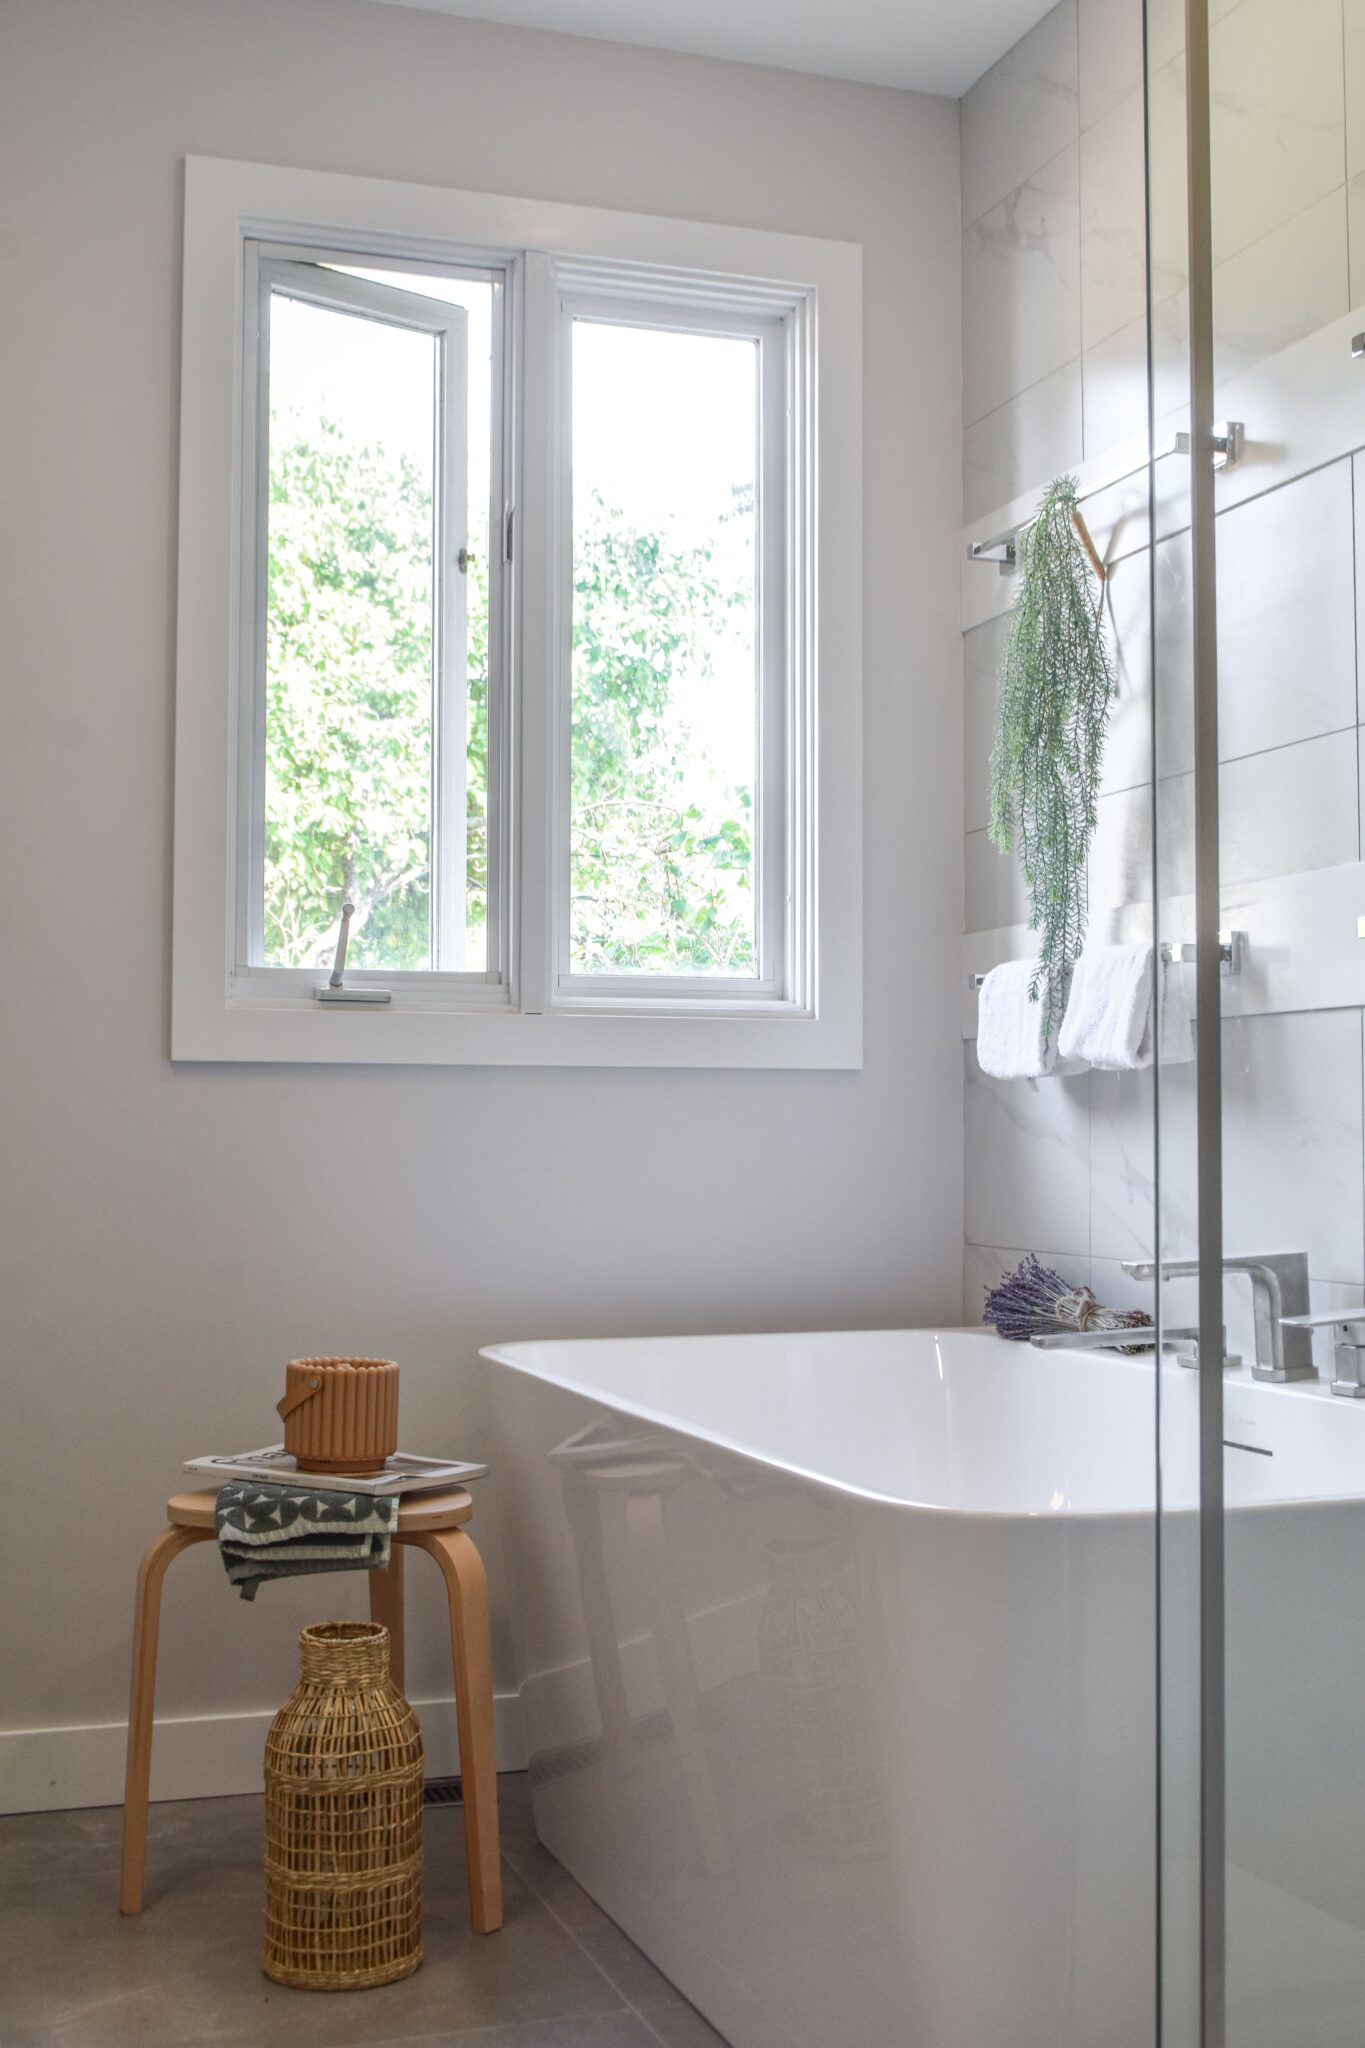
{"points": [[186, 1973]]}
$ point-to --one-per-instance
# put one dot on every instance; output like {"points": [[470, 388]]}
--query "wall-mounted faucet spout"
{"points": [[1279, 1293]]}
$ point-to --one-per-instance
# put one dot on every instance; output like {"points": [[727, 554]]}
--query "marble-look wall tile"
{"points": [[1278, 120], [995, 894], [1109, 35], [1279, 813], [1024, 444], [1027, 1160], [985, 1265], [1293, 1137], [1113, 222], [1285, 812], [1130, 609], [1268, 296], [1277, 290], [1168, 191], [1020, 113], [981, 651], [1286, 615], [1123, 1165], [1121, 849], [1293, 1132], [1117, 1289], [1175, 840], [1127, 757], [1021, 288], [1114, 389], [1286, 631]]}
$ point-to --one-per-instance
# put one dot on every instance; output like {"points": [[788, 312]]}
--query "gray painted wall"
{"points": [[171, 1236]]}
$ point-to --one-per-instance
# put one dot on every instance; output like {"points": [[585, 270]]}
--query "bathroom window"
{"points": [[524, 664]]}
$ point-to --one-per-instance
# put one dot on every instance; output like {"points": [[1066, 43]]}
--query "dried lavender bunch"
{"points": [[1034, 1301]]}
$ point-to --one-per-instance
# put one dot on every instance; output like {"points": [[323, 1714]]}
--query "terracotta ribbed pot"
{"points": [[340, 1414]]}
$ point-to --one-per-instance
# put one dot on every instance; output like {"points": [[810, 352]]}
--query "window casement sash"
{"points": [[333, 290], [573, 291]]}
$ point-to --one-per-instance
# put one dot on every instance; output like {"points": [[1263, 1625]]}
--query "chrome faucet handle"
{"points": [[1348, 1326]]}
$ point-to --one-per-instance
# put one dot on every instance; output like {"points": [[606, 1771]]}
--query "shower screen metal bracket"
{"points": [[1229, 441]]}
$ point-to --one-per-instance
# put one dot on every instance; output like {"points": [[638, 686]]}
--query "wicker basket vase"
{"points": [[343, 1819], [340, 1414]]}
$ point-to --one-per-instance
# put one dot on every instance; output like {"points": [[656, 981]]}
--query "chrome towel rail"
{"points": [[1181, 952], [1229, 438]]}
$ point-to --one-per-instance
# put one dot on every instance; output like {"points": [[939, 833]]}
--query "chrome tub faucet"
{"points": [[1279, 1300]]}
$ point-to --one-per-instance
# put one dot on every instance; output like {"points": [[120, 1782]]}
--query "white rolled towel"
{"points": [[1108, 1017], [1010, 1032]]}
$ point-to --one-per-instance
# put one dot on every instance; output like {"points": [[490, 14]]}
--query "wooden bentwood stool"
{"points": [[431, 1522]]}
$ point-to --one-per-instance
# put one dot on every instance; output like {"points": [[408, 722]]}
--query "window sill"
{"points": [[409, 1032]]}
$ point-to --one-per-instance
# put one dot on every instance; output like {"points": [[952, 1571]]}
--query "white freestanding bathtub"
{"points": [[837, 1660]]}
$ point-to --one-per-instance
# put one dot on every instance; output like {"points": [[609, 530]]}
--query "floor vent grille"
{"points": [[442, 1792]]}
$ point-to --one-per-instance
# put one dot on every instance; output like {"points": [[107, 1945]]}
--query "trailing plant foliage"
{"points": [[1056, 683]]}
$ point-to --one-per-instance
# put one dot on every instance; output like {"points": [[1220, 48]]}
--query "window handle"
{"points": [[463, 559], [336, 990]]}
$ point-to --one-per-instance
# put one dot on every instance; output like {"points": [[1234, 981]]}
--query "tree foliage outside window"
{"points": [[661, 853], [659, 876]]}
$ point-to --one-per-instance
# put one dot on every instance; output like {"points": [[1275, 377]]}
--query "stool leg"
{"points": [[386, 1607], [467, 1593], [141, 1705]]}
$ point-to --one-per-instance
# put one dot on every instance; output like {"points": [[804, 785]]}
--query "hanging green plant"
{"points": [[1056, 683]]}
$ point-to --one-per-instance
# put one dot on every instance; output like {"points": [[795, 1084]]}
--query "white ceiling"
{"points": [[926, 45]]}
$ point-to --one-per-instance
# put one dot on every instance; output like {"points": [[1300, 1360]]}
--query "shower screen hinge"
{"points": [[1229, 440]]}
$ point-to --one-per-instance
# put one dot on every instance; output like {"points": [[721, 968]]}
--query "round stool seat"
{"points": [[421, 1512]]}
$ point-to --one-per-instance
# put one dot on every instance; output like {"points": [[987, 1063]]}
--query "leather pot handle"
{"points": [[301, 1391]]}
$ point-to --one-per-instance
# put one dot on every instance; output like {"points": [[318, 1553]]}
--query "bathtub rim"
{"points": [[1168, 1512], [640, 1411]]}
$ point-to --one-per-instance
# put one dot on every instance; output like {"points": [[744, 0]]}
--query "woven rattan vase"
{"points": [[343, 1819]]}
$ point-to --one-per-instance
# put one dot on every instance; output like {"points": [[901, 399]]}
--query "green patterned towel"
{"points": [[281, 1532]]}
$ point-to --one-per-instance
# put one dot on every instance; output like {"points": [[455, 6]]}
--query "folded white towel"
{"points": [[1108, 1017], [1010, 1029]]}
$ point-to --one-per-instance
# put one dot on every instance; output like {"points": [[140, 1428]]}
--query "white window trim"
{"points": [[532, 1015]]}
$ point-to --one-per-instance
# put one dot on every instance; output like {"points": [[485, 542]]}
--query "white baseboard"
{"points": [[199, 1756]]}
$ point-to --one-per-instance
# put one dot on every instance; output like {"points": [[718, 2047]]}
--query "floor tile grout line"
{"points": [[630, 2005], [576, 1939]]}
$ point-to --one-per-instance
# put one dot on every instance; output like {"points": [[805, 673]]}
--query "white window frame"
{"points": [[801, 298]]}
